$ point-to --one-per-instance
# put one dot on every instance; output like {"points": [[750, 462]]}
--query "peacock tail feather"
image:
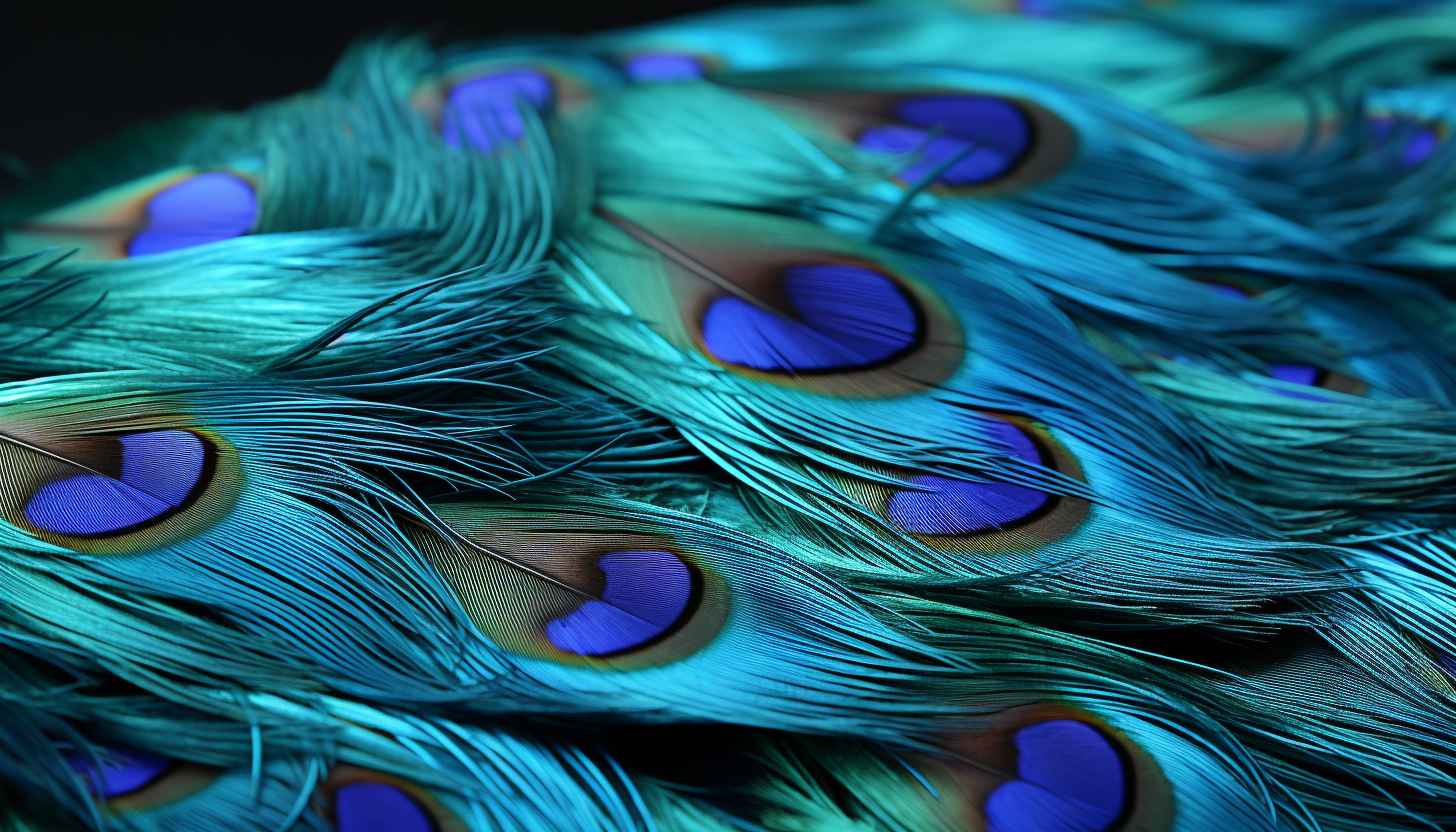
{"points": [[1008, 417]]}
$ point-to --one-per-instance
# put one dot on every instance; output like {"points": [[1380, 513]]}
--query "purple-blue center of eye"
{"points": [[1295, 373], [1037, 8], [959, 506], [159, 471], [1306, 374], [1230, 292], [204, 209], [1069, 778], [663, 67], [378, 807], [122, 771], [988, 135], [848, 317], [1420, 140], [483, 111], [646, 594]]}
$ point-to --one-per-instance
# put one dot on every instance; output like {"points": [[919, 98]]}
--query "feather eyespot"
{"points": [[779, 300], [173, 210], [577, 596], [129, 779], [362, 800], [963, 507], [957, 515], [122, 771], [1413, 141], [160, 472], [1051, 767], [1068, 775], [663, 67], [119, 493], [207, 208], [974, 141], [481, 111], [1311, 376], [645, 596], [845, 317], [977, 139], [480, 104], [1232, 291], [1247, 288], [378, 807]]}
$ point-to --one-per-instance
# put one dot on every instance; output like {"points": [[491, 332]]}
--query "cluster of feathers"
{"points": [[999, 417]]}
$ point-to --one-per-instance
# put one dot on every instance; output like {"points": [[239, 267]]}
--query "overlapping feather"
{"points": [[606, 435]]}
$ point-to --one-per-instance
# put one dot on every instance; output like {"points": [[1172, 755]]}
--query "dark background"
{"points": [[71, 73]]}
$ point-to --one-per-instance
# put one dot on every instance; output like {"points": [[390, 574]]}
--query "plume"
{"points": [[1019, 417]]}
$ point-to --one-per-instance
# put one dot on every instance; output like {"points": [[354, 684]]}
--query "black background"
{"points": [[71, 73]]}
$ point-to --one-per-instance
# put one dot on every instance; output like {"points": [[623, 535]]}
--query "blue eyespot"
{"points": [[848, 318], [1419, 141], [1069, 778], [1295, 373], [960, 506], [664, 66], [646, 594], [1037, 8], [991, 135], [122, 771], [1230, 292], [204, 209], [160, 470], [483, 111], [1305, 374], [378, 807]]}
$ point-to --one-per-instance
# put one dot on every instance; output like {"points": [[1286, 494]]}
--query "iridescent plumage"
{"points": [[1021, 417]]}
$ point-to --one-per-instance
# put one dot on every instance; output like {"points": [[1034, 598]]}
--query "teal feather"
{"points": [[226, 778], [441, 485], [764, 157], [1280, 25], [352, 157], [1147, 65], [762, 433], [334, 478], [254, 304]]}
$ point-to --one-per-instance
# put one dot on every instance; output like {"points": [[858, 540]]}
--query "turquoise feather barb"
{"points": [[971, 417]]}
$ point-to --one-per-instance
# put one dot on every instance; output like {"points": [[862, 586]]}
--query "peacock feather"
{"points": [[1010, 417]]}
